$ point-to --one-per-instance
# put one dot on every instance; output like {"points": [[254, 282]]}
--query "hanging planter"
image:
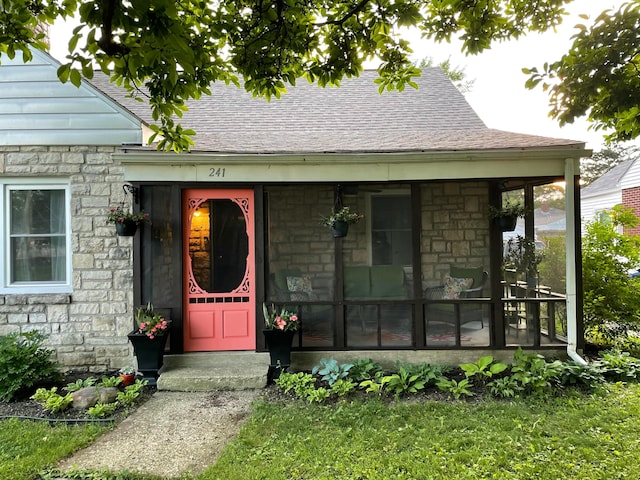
{"points": [[506, 223], [125, 221], [127, 228], [506, 217], [340, 220], [340, 228]]}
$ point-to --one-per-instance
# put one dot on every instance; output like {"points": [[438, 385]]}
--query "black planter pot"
{"points": [[279, 345], [340, 229], [127, 228], [507, 223], [150, 354]]}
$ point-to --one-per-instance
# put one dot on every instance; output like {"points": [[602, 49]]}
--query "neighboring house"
{"points": [[620, 185], [236, 221]]}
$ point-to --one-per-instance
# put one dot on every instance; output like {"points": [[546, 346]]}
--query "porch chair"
{"points": [[462, 282]]}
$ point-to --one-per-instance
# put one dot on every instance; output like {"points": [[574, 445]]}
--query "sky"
{"points": [[498, 95]]}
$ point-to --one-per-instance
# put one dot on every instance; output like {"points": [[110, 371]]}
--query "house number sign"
{"points": [[216, 172]]}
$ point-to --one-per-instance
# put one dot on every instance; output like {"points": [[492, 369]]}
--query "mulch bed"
{"points": [[23, 407]]}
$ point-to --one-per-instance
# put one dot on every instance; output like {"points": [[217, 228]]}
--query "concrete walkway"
{"points": [[169, 435]]}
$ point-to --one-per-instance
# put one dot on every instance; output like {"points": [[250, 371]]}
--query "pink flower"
{"points": [[151, 336], [294, 318], [280, 323], [143, 324]]}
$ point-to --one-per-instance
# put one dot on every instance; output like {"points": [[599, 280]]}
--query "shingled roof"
{"points": [[609, 181], [353, 118]]}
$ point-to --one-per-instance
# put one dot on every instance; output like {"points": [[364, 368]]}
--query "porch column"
{"points": [[572, 261]]}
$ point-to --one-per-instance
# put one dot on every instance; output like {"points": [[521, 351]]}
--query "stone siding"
{"points": [[88, 327], [455, 227]]}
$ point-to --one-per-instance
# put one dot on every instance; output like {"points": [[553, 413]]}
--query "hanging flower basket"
{"points": [[125, 221], [506, 217], [340, 220], [506, 223], [340, 228], [128, 228]]}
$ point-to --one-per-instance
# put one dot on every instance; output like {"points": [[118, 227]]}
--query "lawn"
{"points": [[594, 437], [27, 447], [573, 436]]}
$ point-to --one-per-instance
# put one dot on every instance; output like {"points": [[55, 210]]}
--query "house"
{"points": [[236, 222], [620, 185]]}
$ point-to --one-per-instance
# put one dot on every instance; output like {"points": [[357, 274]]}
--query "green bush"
{"points": [[611, 300], [24, 364]]}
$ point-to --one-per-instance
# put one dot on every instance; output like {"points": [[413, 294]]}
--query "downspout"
{"points": [[572, 312]]}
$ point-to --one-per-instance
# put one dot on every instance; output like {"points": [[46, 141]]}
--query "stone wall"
{"points": [[455, 227], [88, 327]]}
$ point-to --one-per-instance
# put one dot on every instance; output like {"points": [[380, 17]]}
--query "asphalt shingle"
{"points": [[353, 118]]}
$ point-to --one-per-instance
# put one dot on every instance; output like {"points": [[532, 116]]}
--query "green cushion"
{"points": [[357, 283], [387, 282], [462, 272]]}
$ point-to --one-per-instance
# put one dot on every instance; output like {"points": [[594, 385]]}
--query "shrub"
{"points": [[611, 300], [24, 364]]}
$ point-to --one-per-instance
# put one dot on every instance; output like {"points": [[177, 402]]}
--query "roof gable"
{"points": [[609, 182], [37, 109]]}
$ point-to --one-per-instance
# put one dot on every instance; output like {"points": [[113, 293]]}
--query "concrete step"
{"points": [[209, 371]]}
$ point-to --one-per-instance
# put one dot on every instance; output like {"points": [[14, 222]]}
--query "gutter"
{"points": [[572, 311]]}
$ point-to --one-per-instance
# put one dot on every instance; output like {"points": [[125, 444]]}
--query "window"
{"points": [[391, 229], [35, 243]]}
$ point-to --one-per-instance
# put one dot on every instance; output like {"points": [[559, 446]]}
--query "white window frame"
{"points": [[11, 184]]}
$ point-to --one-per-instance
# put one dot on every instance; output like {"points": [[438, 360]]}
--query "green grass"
{"points": [[27, 447], [570, 437], [594, 437]]}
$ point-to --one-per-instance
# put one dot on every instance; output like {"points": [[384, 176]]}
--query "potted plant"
{"points": [[340, 220], [279, 329], [127, 375], [126, 222], [149, 340], [523, 256], [507, 216]]}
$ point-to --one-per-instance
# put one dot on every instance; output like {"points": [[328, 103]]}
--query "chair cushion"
{"points": [[299, 284], [475, 273], [357, 283], [454, 286], [387, 281]]}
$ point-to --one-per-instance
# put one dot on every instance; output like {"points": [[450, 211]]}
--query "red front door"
{"points": [[219, 278]]}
